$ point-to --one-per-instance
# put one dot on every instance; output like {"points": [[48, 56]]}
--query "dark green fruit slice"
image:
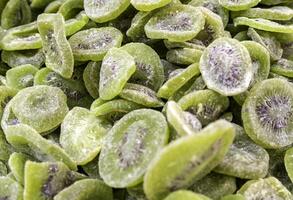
{"points": [[206, 105], [27, 140], [117, 67], [221, 185], [168, 68], [283, 67], [196, 155], [245, 159], [267, 113], [5, 149], [3, 169], [93, 44], [70, 8], [241, 36], [10, 189], [149, 71], [184, 56], [289, 163], [75, 24], [6, 94], [87, 189], [92, 168], [17, 58], [21, 77], [82, 134], [238, 5], [103, 10], [148, 5], [198, 84], [141, 95], [263, 24], [129, 147], [136, 191], [177, 23], [177, 81], [186, 195], [91, 78], [273, 2], [53, 6], [226, 67], [264, 188], [56, 48], [233, 197], [192, 44]]}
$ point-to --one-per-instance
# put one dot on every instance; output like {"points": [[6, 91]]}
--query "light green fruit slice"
{"points": [[91, 78], [263, 24], [241, 36], [191, 44], [149, 5], [226, 67], [177, 23], [279, 13], [198, 84], [206, 105], [184, 56], [21, 77], [82, 134], [58, 53], [70, 8], [176, 82], [3, 169], [196, 155], [16, 164], [245, 159], [117, 67], [41, 107], [6, 150], [27, 140], [268, 40], [141, 95], [103, 10], [283, 67], [186, 195], [53, 6], [233, 197], [129, 147], [17, 58], [267, 113], [10, 189], [6, 94], [238, 5], [94, 43], [87, 189], [149, 69], [264, 188], [221, 185], [75, 24], [184, 123], [273, 2], [289, 163]]}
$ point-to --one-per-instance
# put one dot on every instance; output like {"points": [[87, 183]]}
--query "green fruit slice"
{"points": [[289, 163], [129, 147], [3, 169], [191, 44], [148, 5], [196, 155], [283, 67], [206, 105], [53, 6], [59, 57], [103, 10], [186, 195], [75, 24], [177, 23], [273, 2], [233, 197], [94, 43], [6, 150], [87, 189], [10, 189], [82, 134], [91, 78], [238, 5], [184, 56], [267, 113], [149, 71], [226, 67], [117, 67], [70, 8], [6, 94]]}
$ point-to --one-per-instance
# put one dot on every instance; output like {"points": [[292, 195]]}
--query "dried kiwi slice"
{"points": [[226, 67], [206, 105], [267, 113], [6, 94], [93, 44], [184, 56], [288, 161], [75, 24], [87, 189], [3, 169], [6, 150], [117, 67], [129, 147], [233, 197], [283, 67], [104, 10], [177, 23], [149, 5], [196, 155], [10, 189], [238, 5], [91, 78], [186, 195]]}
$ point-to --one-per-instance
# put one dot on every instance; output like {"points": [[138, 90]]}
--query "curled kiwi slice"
{"points": [[264, 188], [10, 189], [87, 189], [91, 78], [103, 10], [283, 67], [129, 147], [177, 23], [196, 155], [263, 24], [184, 56], [93, 44], [238, 5], [75, 24], [206, 105], [186, 195], [148, 5], [226, 67], [267, 113]]}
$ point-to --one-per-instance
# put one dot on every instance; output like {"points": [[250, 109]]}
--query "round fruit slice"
{"points": [[226, 67], [91, 78], [10, 189], [186, 195], [104, 10], [196, 155], [267, 113], [177, 23], [129, 147], [238, 5], [117, 67], [283, 67], [148, 5]]}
